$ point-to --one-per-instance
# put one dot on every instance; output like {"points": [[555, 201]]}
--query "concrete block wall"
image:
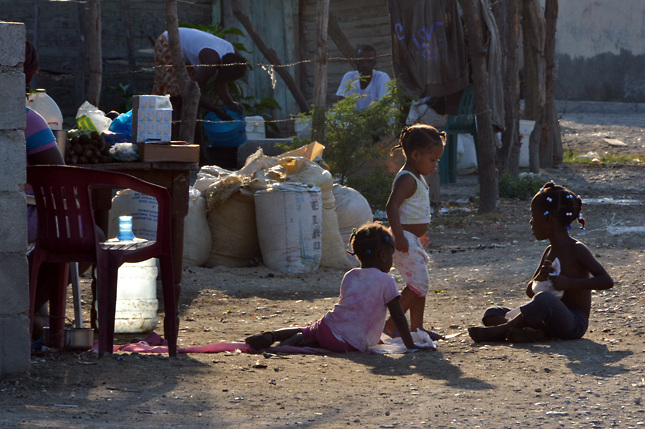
{"points": [[15, 342], [56, 29]]}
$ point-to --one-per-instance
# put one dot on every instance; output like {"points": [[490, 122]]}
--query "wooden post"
{"points": [[533, 31], [96, 55], [320, 70], [551, 144], [508, 23], [188, 89]]}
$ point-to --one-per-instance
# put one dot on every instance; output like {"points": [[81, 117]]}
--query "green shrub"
{"points": [[355, 139], [522, 188], [375, 187], [575, 157]]}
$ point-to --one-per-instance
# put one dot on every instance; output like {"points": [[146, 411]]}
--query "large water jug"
{"points": [[47, 108], [136, 297], [136, 292]]}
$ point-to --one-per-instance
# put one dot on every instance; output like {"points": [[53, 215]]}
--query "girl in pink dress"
{"points": [[366, 295]]}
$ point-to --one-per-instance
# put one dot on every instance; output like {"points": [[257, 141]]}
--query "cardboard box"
{"points": [[151, 118], [168, 152]]}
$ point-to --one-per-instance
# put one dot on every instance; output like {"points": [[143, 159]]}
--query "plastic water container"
{"points": [[47, 108], [136, 297], [255, 128], [526, 128], [136, 291]]}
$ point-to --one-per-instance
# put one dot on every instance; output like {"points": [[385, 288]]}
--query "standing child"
{"points": [[408, 212], [553, 210], [366, 294]]}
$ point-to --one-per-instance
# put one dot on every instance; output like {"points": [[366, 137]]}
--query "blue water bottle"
{"points": [[125, 228]]}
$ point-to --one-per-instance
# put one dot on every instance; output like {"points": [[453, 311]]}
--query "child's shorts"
{"points": [[547, 313], [320, 333], [413, 265]]}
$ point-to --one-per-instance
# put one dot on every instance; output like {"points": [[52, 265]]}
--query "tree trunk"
{"points": [[188, 89], [508, 24], [487, 168], [96, 56], [320, 70], [533, 31], [553, 145], [533, 28]]}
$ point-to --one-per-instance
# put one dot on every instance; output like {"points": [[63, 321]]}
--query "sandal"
{"points": [[260, 341]]}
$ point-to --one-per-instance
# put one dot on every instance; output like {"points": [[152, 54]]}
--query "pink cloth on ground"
{"points": [[359, 316], [155, 343]]}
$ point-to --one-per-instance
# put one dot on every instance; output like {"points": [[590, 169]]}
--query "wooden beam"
{"points": [[272, 57], [341, 41]]}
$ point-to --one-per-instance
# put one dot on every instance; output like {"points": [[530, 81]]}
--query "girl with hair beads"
{"points": [[408, 212], [366, 294], [553, 210]]}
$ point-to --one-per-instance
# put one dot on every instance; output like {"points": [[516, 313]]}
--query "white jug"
{"points": [[47, 108]]}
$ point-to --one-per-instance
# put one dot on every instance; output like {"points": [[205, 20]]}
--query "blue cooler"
{"points": [[222, 133]]}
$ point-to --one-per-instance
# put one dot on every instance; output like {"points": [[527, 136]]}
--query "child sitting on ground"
{"points": [[366, 294], [553, 210]]}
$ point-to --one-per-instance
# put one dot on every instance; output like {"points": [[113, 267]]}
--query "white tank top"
{"points": [[416, 209], [193, 41]]}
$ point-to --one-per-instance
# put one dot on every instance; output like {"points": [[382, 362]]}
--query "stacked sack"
{"points": [[233, 217]]}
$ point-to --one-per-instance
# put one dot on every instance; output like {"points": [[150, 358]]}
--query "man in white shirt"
{"points": [[369, 84], [211, 58]]}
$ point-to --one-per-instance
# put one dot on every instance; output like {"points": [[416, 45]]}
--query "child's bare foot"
{"points": [[525, 335], [260, 341], [483, 334]]}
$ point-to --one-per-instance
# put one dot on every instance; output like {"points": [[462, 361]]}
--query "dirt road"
{"points": [[476, 261]]}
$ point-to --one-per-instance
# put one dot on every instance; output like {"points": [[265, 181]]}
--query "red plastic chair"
{"points": [[67, 233]]}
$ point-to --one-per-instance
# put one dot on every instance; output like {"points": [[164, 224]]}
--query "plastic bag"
{"points": [[124, 152], [122, 124], [90, 118]]}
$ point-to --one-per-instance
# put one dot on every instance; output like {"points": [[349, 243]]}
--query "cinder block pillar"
{"points": [[15, 343]]}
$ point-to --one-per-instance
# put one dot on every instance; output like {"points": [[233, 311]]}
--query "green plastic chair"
{"points": [[464, 123]]}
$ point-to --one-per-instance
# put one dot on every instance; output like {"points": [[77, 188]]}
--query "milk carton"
{"points": [[151, 118]]}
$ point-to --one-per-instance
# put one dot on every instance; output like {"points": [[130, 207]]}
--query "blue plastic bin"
{"points": [[221, 133]]}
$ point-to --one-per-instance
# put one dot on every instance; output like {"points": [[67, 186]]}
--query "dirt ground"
{"points": [[476, 261]]}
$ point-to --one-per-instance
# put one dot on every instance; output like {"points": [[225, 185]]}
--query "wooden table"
{"points": [[174, 176]]}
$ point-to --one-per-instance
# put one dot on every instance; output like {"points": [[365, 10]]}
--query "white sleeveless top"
{"points": [[193, 41], [416, 209]]}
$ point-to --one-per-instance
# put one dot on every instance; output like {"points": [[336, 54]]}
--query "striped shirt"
{"points": [[38, 135]]}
